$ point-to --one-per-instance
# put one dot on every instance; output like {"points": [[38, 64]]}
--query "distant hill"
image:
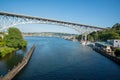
{"points": [[48, 34]]}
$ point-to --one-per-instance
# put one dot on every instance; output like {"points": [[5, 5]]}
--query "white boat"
{"points": [[86, 43], [83, 42]]}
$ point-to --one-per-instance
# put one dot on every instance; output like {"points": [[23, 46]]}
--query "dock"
{"points": [[11, 74], [111, 57]]}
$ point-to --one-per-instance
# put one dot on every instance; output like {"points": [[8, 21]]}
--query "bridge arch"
{"points": [[9, 19], [80, 31]]}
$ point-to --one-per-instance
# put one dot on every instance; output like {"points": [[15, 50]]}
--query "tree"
{"points": [[79, 37], [15, 39], [116, 26], [109, 33], [117, 52]]}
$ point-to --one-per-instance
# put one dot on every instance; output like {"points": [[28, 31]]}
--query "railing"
{"points": [[11, 74]]}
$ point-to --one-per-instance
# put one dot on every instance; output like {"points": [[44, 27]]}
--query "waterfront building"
{"points": [[103, 46], [115, 43]]}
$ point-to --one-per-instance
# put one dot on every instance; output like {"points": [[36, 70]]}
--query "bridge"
{"points": [[11, 19]]}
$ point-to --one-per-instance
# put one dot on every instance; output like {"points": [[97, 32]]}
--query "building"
{"points": [[115, 43], [103, 46], [109, 47]]}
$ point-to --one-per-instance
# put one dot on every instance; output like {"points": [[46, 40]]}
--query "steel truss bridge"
{"points": [[10, 19]]}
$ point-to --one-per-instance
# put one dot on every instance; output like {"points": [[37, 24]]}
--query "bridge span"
{"points": [[11, 19]]}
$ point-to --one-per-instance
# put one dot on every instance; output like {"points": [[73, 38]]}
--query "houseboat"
{"points": [[107, 50]]}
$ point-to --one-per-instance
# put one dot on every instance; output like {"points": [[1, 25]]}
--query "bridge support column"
{"points": [[84, 37]]}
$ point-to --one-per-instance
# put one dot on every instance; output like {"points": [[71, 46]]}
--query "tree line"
{"points": [[104, 35]]}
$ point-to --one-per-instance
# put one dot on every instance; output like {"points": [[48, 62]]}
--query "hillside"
{"points": [[109, 33]]}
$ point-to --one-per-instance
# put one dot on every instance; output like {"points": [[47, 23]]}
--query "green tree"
{"points": [[117, 52], [6, 50], [109, 33], [116, 26], [0, 39], [15, 39], [2, 44], [79, 37]]}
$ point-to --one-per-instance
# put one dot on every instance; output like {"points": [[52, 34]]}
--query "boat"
{"points": [[83, 42]]}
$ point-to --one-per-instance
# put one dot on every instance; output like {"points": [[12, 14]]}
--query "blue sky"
{"points": [[102, 13]]}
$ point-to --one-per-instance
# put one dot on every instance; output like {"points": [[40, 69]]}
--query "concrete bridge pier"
{"points": [[84, 37]]}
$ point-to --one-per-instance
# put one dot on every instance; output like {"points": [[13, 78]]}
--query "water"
{"points": [[59, 59]]}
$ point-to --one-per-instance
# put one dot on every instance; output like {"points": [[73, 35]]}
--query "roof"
{"points": [[104, 43]]}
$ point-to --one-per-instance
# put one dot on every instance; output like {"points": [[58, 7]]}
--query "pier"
{"points": [[11, 74]]}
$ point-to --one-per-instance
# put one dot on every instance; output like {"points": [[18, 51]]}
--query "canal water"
{"points": [[59, 59]]}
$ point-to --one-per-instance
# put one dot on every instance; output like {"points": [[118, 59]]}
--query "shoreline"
{"points": [[113, 58], [15, 70]]}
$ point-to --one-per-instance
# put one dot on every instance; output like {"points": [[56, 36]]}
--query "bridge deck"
{"points": [[49, 20]]}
